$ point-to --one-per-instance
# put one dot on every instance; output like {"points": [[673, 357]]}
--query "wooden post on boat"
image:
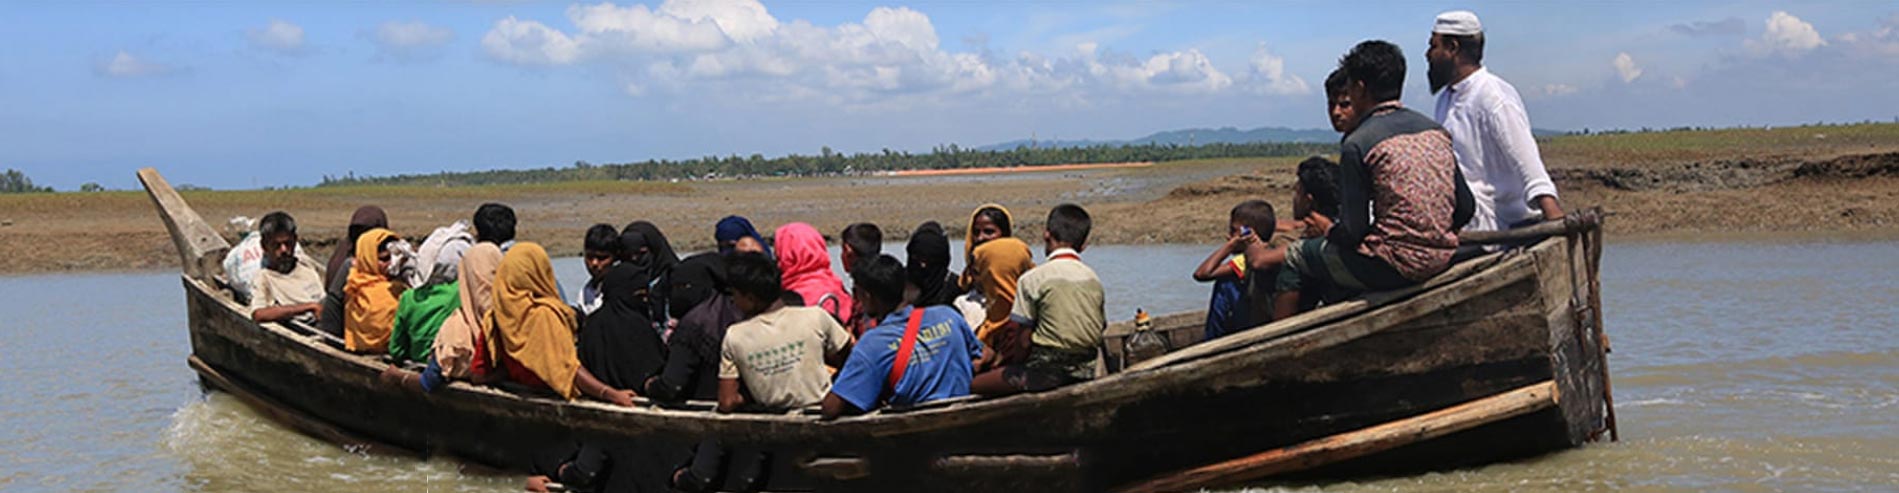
{"points": [[200, 248], [1358, 443]]}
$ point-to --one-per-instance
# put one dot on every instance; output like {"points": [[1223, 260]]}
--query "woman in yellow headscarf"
{"points": [[987, 222], [370, 297], [995, 267], [533, 330]]}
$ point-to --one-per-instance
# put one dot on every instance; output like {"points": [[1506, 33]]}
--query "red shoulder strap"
{"points": [[905, 348]]}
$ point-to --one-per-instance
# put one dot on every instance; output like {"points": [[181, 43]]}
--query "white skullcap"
{"points": [[1458, 23]]}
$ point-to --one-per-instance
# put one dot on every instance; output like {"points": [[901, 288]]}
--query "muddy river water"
{"points": [[1737, 366]]}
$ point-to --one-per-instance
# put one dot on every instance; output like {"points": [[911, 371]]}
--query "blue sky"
{"points": [[238, 95]]}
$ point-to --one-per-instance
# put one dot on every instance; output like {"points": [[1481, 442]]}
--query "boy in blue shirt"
{"points": [[937, 364]]}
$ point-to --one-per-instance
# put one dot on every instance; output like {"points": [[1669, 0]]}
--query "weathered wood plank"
{"points": [[1358, 443]]}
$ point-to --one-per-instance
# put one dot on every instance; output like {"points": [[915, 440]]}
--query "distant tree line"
{"points": [[830, 163], [13, 181]]}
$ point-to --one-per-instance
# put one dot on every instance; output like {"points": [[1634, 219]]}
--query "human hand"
{"points": [[1317, 225], [538, 483], [621, 397]]}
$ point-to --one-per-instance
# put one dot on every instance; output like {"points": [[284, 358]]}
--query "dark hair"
{"points": [[602, 238], [1380, 66], [494, 223], [1335, 83], [881, 278], [755, 275], [1256, 214], [1069, 223], [276, 223], [1001, 220], [1471, 47], [929, 226], [1318, 176], [864, 238]]}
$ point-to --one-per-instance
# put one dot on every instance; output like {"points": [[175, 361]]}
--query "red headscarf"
{"points": [[805, 265]]}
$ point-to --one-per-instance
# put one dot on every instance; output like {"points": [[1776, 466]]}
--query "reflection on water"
{"points": [[1737, 367]]}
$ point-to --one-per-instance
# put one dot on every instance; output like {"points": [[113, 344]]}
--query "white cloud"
{"points": [[124, 65], [529, 43], [1880, 42], [1787, 36], [278, 36], [1558, 89], [1626, 68], [1267, 74], [893, 56], [411, 40]]}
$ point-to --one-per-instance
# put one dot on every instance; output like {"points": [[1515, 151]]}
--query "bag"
{"points": [[1144, 343]]}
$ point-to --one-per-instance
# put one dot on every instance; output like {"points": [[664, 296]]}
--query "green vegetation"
{"points": [[13, 181], [829, 163]]}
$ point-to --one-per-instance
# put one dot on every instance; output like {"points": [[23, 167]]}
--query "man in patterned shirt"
{"points": [[1401, 196]]}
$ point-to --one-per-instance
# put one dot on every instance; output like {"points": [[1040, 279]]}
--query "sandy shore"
{"points": [[1845, 191]]}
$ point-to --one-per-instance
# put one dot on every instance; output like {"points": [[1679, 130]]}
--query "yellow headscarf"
{"points": [[455, 343], [530, 322], [997, 266], [370, 298], [969, 241]]}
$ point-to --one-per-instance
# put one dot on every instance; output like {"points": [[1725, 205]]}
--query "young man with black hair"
{"points": [[1489, 128], [859, 243], [914, 355], [1401, 196], [599, 250], [779, 353], [289, 286], [1063, 305], [494, 223], [1338, 107]]}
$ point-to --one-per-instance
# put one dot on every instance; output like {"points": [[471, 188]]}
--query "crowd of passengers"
{"points": [[763, 324]]}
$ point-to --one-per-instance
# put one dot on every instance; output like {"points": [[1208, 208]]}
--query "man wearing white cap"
{"points": [[1490, 131]]}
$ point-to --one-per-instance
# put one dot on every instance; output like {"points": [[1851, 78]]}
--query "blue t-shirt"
{"points": [[1227, 310], [939, 366]]}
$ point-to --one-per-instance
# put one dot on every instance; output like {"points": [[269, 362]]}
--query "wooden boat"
{"points": [[1500, 357]]}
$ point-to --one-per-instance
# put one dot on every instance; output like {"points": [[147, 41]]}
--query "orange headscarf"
{"points": [[996, 267], [969, 241], [370, 298], [530, 322], [455, 343]]}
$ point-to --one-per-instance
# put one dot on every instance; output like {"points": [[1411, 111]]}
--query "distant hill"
{"points": [[1199, 136]]}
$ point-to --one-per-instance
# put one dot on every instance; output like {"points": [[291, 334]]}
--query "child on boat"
{"points": [[914, 355], [599, 250], [1061, 302], [779, 353], [1229, 308]]}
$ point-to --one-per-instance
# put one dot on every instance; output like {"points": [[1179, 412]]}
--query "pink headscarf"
{"points": [[806, 268]]}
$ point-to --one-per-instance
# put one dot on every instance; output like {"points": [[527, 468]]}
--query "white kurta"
{"points": [[1490, 133]]}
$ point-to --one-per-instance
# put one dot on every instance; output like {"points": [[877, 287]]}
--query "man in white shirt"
{"points": [[1490, 131]]}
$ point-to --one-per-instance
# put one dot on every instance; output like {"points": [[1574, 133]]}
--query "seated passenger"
{"points": [[987, 222], [806, 267], [858, 243], [532, 336], [1229, 309], [494, 223], [618, 344], [926, 262], [371, 295], [366, 218], [1061, 301], [423, 309], [778, 354], [460, 347], [599, 250], [645, 246], [914, 355], [289, 287], [735, 234], [704, 312], [1400, 192], [998, 264]]}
